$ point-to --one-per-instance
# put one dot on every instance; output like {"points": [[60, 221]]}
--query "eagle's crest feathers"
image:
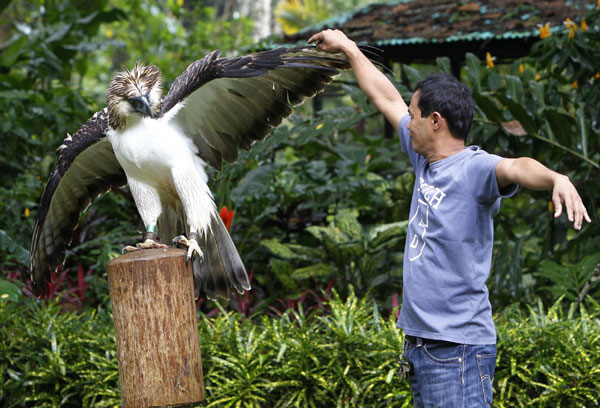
{"points": [[141, 80]]}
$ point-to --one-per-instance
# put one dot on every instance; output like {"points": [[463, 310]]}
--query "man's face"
{"points": [[419, 127]]}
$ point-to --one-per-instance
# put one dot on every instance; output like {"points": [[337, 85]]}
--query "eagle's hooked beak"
{"points": [[141, 105]]}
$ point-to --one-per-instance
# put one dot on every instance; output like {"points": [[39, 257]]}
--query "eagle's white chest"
{"points": [[150, 148]]}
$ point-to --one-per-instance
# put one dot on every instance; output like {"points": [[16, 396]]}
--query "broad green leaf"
{"points": [[9, 291], [255, 183], [7, 244], [474, 71], [444, 64], [414, 76], [489, 107], [519, 113], [537, 90], [347, 223], [318, 270], [514, 88], [563, 126], [583, 126], [10, 52]]}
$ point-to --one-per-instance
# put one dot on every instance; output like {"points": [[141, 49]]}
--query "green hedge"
{"points": [[346, 357]]}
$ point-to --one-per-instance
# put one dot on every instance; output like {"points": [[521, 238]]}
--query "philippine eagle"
{"points": [[160, 146]]}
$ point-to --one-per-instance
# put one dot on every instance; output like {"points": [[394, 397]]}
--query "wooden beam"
{"points": [[152, 296]]}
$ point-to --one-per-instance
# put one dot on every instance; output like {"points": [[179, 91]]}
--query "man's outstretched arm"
{"points": [[373, 83], [532, 174]]}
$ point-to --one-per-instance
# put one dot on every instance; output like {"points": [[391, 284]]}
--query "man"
{"points": [[446, 315]]}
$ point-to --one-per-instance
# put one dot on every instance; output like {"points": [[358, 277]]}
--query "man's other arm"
{"points": [[373, 83], [531, 174]]}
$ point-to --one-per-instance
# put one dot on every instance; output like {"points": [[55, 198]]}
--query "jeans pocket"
{"points": [[487, 364], [444, 352]]}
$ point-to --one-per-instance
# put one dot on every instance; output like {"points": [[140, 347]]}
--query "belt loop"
{"points": [[419, 342]]}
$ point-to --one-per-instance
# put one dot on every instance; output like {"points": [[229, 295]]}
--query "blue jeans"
{"points": [[450, 375]]}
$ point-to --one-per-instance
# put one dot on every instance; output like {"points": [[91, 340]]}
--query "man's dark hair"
{"points": [[449, 97]]}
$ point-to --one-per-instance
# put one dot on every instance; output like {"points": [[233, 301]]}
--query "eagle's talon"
{"points": [[192, 247], [129, 248], [147, 244]]}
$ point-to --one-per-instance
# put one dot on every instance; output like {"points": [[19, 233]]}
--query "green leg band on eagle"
{"points": [[151, 233]]}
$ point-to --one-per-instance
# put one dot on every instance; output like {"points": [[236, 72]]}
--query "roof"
{"points": [[438, 25]]}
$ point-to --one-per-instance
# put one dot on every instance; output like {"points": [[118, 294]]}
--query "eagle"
{"points": [[161, 147]]}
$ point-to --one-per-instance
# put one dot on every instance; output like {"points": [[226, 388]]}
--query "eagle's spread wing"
{"points": [[86, 168], [226, 104]]}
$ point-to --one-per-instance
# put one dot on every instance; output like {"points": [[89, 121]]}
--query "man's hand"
{"points": [[333, 41], [564, 192], [531, 174], [373, 83]]}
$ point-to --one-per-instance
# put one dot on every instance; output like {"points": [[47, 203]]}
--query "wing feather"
{"points": [[86, 168], [228, 104]]}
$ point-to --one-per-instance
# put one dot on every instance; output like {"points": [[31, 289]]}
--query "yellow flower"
{"points": [[26, 213], [109, 33], [575, 85], [598, 4], [180, 3], [521, 68], [572, 33], [538, 77], [319, 126], [584, 26], [545, 31], [568, 22], [489, 60]]}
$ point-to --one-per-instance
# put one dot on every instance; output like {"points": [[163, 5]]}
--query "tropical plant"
{"points": [[346, 357], [368, 260]]}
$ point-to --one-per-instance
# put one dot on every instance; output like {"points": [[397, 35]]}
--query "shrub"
{"points": [[345, 358]]}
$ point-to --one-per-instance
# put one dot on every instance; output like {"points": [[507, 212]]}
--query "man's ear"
{"points": [[436, 120]]}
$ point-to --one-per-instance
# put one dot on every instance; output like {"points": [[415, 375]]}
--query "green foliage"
{"points": [[344, 250], [542, 106], [549, 359], [344, 358]]}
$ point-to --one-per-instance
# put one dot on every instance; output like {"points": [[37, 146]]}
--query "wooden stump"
{"points": [[152, 295]]}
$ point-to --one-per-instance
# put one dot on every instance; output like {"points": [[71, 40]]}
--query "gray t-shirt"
{"points": [[449, 245]]}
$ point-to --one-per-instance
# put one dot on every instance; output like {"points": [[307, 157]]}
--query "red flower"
{"points": [[227, 217]]}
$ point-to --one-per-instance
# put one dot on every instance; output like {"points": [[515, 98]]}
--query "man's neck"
{"points": [[445, 151]]}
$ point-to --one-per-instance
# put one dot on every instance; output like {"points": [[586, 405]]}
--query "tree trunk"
{"points": [[152, 295]]}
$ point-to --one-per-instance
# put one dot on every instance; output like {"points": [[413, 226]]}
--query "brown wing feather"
{"points": [[229, 103], [86, 168]]}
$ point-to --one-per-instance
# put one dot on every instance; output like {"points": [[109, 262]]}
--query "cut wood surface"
{"points": [[154, 311]]}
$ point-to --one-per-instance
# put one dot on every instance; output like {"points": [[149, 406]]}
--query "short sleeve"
{"points": [[404, 135], [484, 185]]}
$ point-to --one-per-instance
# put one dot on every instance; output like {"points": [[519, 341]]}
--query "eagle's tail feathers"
{"points": [[221, 268]]}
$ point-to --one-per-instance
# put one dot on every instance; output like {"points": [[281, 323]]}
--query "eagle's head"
{"points": [[135, 93]]}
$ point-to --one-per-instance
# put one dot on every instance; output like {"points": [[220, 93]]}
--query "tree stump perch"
{"points": [[152, 296]]}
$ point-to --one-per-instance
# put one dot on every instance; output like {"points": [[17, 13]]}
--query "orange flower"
{"points": [[568, 22], [575, 85], [489, 60], [227, 217], [597, 76], [584, 25], [545, 31], [538, 77], [521, 68], [572, 33]]}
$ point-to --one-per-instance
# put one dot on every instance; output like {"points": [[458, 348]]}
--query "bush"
{"points": [[346, 357]]}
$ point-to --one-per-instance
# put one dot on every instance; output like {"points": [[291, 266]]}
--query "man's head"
{"points": [[449, 97]]}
